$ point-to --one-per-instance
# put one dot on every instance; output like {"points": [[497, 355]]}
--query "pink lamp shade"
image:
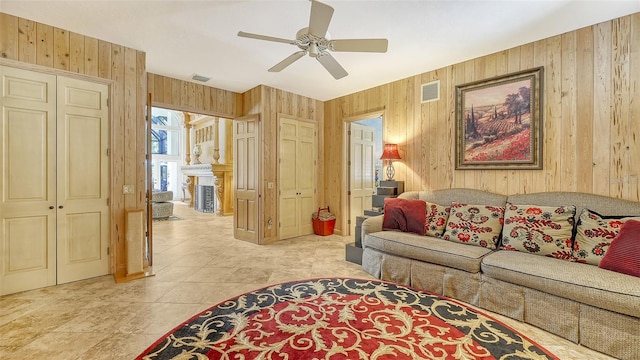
{"points": [[390, 153]]}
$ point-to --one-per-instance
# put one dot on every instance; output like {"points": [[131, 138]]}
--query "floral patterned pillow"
{"points": [[478, 225], [437, 216], [540, 230], [594, 234]]}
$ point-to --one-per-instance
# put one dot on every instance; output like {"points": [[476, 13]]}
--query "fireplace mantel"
{"points": [[223, 181]]}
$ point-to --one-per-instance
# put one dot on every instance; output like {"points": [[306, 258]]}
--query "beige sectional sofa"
{"points": [[597, 308]]}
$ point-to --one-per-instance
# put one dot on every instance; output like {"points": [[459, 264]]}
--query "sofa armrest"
{"points": [[371, 225]]}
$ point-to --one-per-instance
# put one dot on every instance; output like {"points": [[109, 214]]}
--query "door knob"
{"points": [[60, 207], [51, 207]]}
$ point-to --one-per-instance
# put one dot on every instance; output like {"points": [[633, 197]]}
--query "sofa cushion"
{"points": [[162, 196], [427, 249], [583, 283], [437, 216], [478, 225], [540, 230], [594, 234], [623, 255], [404, 215]]}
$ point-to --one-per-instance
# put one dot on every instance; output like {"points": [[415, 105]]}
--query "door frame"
{"points": [[346, 186]]}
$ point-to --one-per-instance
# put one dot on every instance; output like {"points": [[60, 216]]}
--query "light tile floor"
{"points": [[197, 264]]}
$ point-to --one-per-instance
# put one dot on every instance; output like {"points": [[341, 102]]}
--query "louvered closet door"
{"points": [[27, 187]]}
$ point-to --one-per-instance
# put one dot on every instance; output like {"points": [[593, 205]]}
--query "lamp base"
{"points": [[391, 172]]}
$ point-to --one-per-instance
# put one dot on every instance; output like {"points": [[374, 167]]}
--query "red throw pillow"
{"points": [[623, 255], [405, 215]]}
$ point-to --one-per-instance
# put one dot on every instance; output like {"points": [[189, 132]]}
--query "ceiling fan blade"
{"points": [[320, 18], [264, 37], [288, 61], [359, 45], [332, 66]]}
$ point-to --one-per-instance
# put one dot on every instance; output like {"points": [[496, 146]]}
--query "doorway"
{"points": [[166, 142], [363, 148]]}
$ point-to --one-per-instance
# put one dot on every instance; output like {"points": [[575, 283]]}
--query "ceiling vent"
{"points": [[200, 78], [431, 91]]}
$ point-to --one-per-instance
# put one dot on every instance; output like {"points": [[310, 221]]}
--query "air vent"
{"points": [[431, 91], [201, 78]]}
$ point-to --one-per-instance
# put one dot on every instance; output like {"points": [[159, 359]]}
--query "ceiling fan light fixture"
{"points": [[313, 49]]}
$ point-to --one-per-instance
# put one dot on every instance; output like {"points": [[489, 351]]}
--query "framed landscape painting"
{"points": [[499, 122]]}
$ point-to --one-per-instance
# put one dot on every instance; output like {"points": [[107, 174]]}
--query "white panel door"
{"points": [[27, 187], [289, 211], [83, 180], [54, 217], [297, 170], [307, 175], [362, 173], [246, 179]]}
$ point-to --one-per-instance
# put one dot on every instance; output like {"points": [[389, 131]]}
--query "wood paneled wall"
{"points": [[591, 124], [41, 47], [182, 95], [268, 102]]}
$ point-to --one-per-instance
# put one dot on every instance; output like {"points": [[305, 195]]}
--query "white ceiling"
{"points": [[183, 37]]}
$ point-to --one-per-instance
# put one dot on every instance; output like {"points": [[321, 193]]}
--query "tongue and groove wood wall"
{"points": [[591, 135], [591, 112], [39, 47]]}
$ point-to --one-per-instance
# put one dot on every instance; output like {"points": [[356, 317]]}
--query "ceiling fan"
{"points": [[313, 40]]}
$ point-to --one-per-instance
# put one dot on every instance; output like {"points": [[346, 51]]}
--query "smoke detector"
{"points": [[200, 78]]}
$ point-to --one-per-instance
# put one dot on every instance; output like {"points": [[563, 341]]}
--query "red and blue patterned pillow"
{"points": [[478, 225], [594, 234], [540, 230], [437, 216]]}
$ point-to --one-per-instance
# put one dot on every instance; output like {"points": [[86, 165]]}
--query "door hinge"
{"points": [[349, 192], [349, 132], [108, 101], [108, 201], [349, 222], [108, 152], [108, 249]]}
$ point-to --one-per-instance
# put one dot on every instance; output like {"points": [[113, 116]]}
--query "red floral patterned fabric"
{"points": [[478, 225], [540, 230], [623, 255], [437, 216], [594, 235], [406, 215], [341, 319]]}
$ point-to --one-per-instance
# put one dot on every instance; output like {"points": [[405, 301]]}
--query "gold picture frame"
{"points": [[499, 122]]}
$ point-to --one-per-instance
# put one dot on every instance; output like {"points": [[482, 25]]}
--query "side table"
{"points": [[354, 249]]}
